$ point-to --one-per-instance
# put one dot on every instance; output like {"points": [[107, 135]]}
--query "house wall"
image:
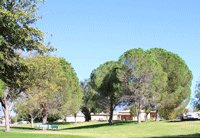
{"points": [[128, 117], [98, 117], [103, 117], [78, 119]]}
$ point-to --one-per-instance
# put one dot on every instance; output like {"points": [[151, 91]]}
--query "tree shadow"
{"points": [[61, 123], [183, 136], [184, 120], [115, 123], [27, 128]]}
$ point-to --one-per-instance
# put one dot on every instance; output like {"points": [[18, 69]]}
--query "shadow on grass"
{"points": [[185, 120], [183, 136], [61, 123], [115, 123], [27, 128]]}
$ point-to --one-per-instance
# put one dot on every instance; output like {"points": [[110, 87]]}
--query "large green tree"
{"points": [[74, 102], [17, 34], [105, 80], [143, 77], [9, 92], [179, 80], [55, 83]]}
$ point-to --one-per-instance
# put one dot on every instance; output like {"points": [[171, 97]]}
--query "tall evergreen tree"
{"points": [[72, 90], [179, 80], [143, 76], [106, 82]]}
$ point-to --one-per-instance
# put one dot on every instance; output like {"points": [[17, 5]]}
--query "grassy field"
{"points": [[103, 130]]}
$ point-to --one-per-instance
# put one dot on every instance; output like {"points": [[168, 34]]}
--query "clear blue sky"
{"points": [[90, 32]]}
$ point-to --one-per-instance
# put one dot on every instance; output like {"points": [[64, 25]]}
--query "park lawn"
{"points": [[102, 129]]}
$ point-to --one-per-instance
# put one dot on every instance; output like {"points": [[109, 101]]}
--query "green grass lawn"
{"points": [[102, 129]]}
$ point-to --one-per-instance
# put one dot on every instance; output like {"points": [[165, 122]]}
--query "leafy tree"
{"points": [[17, 34], [89, 100], [143, 77], [179, 79], [73, 103], [9, 92], [46, 75], [106, 82], [55, 83]]}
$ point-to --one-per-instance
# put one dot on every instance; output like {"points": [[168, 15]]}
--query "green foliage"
{"points": [[54, 86], [179, 79], [17, 34], [2, 88], [71, 96], [144, 78], [105, 80]]}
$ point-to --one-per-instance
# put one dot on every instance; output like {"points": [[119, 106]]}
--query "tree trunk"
{"points": [[6, 113], [136, 110], [75, 118], [107, 117], [87, 117], [139, 113], [111, 113], [66, 119], [146, 117], [157, 116], [32, 126], [44, 121], [45, 114], [5, 106], [87, 113]]}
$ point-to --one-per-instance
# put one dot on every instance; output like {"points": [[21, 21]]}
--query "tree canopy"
{"points": [[105, 80], [179, 80], [17, 34], [55, 83], [144, 77]]}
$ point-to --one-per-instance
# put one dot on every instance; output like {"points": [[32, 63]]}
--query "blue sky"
{"points": [[89, 33]]}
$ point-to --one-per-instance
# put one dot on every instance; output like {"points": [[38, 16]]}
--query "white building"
{"points": [[71, 118], [122, 115], [125, 115]]}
